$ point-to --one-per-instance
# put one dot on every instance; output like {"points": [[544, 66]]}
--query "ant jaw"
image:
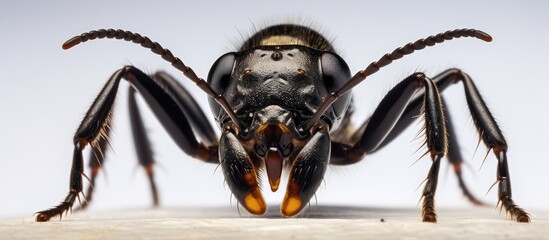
{"points": [[254, 202], [292, 203]]}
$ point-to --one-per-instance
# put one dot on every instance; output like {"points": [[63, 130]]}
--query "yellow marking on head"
{"points": [[283, 127], [282, 40], [263, 126]]}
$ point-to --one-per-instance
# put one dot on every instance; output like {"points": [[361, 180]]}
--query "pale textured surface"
{"points": [[320, 222]]}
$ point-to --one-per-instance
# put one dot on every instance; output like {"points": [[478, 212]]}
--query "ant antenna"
{"points": [[386, 60], [165, 53]]}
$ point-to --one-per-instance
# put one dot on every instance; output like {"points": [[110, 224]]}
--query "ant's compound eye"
{"points": [[335, 74], [335, 71], [220, 73], [219, 78]]}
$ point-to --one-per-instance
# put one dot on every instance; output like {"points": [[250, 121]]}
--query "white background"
{"points": [[45, 91]]}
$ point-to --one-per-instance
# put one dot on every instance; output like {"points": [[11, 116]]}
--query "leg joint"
{"points": [[455, 75], [80, 144]]}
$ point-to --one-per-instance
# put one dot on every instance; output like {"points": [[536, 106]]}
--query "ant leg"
{"points": [[97, 159], [456, 159], [385, 117], [492, 136], [142, 143], [190, 108], [488, 130], [454, 156], [92, 129]]}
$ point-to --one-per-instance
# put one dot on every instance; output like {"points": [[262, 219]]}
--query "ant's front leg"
{"points": [[384, 119], [164, 104], [91, 130]]}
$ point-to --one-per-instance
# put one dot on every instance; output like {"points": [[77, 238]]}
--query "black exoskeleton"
{"points": [[283, 102]]}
